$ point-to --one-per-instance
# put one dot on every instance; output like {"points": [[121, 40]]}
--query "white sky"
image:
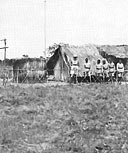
{"points": [[75, 22]]}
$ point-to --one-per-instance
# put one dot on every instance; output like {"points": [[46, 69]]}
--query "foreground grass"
{"points": [[64, 119]]}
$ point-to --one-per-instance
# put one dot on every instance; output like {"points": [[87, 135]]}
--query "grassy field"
{"points": [[64, 119]]}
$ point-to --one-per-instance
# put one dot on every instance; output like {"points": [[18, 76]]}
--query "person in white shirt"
{"points": [[105, 69], [87, 67], [111, 70], [74, 65], [99, 68], [120, 70]]}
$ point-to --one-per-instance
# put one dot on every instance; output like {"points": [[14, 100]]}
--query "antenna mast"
{"points": [[45, 28]]}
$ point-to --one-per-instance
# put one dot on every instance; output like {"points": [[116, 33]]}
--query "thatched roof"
{"points": [[89, 51], [29, 63], [86, 51], [93, 52], [119, 51]]}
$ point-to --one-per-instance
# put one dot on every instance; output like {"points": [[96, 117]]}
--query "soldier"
{"points": [[87, 67], [111, 70], [120, 70], [105, 70], [74, 67], [99, 71], [99, 68]]}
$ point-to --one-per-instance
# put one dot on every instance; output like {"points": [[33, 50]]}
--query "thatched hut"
{"points": [[115, 52], [59, 63], [27, 66]]}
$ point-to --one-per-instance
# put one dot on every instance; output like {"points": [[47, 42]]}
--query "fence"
{"points": [[21, 76], [33, 76], [28, 76]]}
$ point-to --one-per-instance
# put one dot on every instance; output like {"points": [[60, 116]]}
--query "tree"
{"points": [[25, 56]]}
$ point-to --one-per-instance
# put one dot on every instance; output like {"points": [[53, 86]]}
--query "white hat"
{"points": [[103, 59], [74, 55]]}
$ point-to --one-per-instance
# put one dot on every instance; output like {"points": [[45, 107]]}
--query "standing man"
{"points": [[120, 70], [105, 70], [87, 67], [111, 70], [99, 70], [74, 68]]}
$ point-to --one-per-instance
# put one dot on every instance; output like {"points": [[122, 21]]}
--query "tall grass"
{"points": [[64, 119]]}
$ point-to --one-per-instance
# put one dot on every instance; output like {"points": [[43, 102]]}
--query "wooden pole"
{"points": [[5, 52], [4, 80], [62, 69], [17, 80], [45, 28], [4, 61]]}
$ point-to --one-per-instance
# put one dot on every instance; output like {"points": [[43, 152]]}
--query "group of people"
{"points": [[103, 69]]}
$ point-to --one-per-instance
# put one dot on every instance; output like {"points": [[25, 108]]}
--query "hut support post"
{"points": [[62, 69], [12, 74], [17, 80]]}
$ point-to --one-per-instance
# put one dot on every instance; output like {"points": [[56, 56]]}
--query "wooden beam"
{"points": [[4, 47]]}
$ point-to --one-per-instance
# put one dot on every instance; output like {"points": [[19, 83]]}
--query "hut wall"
{"points": [[126, 64], [64, 70], [57, 70], [61, 71]]}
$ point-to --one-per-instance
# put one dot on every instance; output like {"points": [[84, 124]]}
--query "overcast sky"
{"points": [[75, 22]]}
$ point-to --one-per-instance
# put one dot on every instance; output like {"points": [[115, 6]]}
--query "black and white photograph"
{"points": [[63, 76]]}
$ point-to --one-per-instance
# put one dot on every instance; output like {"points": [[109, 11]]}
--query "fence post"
{"points": [[4, 77], [46, 76]]}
